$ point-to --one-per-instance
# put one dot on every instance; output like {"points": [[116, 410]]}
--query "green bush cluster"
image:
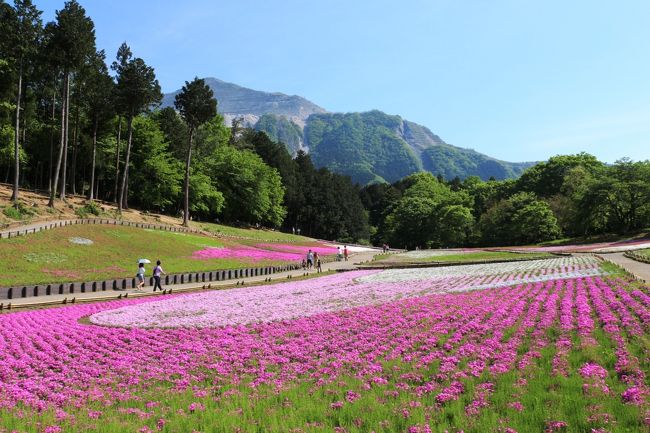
{"points": [[90, 208], [18, 211]]}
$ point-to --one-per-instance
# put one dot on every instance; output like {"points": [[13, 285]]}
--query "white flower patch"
{"points": [[423, 254], [80, 241], [533, 270]]}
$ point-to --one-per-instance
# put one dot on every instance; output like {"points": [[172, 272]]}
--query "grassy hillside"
{"points": [[66, 254]]}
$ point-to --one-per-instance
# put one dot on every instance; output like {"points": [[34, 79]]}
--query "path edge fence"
{"points": [[8, 234], [27, 291]]}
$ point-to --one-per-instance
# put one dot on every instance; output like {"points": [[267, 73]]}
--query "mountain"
{"points": [[237, 101], [369, 147]]}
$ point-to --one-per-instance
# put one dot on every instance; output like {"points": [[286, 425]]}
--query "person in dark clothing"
{"points": [[156, 276]]}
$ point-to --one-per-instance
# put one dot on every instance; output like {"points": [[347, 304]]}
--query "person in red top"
{"points": [[345, 252]]}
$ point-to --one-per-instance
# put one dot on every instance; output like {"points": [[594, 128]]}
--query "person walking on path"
{"points": [[310, 259], [156, 276], [345, 252], [316, 257], [319, 269], [339, 256], [140, 277]]}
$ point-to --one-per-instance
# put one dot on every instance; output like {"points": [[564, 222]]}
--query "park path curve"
{"points": [[640, 270], [355, 260]]}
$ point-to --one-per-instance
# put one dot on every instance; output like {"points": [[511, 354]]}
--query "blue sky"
{"points": [[515, 79]]}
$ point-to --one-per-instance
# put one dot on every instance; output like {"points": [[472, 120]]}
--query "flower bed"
{"points": [[321, 360], [300, 249], [244, 252]]}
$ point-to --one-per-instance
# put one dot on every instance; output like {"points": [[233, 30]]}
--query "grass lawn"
{"points": [[645, 253], [607, 237], [50, 256], [487, 256], [253, 234], [462, 257]]}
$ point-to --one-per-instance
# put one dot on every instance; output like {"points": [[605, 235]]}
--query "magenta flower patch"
{"points": [[245, 252]]}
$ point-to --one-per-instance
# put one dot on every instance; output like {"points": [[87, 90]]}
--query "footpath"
{"points": [[640, 270], [353, 263]]}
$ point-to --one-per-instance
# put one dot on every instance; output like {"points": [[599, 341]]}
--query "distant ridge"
{"points": [[369, 147], [238, 101]]}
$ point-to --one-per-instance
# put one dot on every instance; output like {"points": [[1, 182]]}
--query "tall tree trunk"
{"points": [[57, 171], [125, 201], [65, 135], [14, 195], [75, 146], [124, 189], [117, 157], [50, 173], [92, 170], [186, 188]]}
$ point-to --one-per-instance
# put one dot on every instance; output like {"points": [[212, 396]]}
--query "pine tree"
{"points": [[98, 98], [197, 105], [137, 91], [73, 37], [27, 28]]}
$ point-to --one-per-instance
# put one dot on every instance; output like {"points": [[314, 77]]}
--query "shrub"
{"points": [[90, 208], [12, 213], [18, 211]]}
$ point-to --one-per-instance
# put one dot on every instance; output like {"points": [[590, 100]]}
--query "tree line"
{"points": [[72, 124], [566, 196]]}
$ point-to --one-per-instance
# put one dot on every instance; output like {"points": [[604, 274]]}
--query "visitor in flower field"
{"points": [[304, 264], [345, 252], [339, 256], [140, 276], [318, 265], [310, 259], [156, 276]]}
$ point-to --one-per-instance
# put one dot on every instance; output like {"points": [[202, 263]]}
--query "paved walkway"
{"points": [[640, 270], [355, 260]]}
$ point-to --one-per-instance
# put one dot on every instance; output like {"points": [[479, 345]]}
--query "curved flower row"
{"points": [[449, 346]]}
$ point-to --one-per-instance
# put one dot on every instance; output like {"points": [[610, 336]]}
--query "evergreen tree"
{"points": [[98, 98], [137, 90], [196, 105], [73, 39], [122, 59], [23, 40]]}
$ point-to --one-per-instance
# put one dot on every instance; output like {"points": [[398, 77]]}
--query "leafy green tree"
{"points": [[137, 91], [547, 178], [157, 178], [73, 39], [623, 192], [197, 105], [520, 219], [429, 214], [175, 130], [252, 190], [455, 225], [409, 225]]}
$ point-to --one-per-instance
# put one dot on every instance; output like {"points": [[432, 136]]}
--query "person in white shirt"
{"points": [[140, 276], [157, 271]]}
